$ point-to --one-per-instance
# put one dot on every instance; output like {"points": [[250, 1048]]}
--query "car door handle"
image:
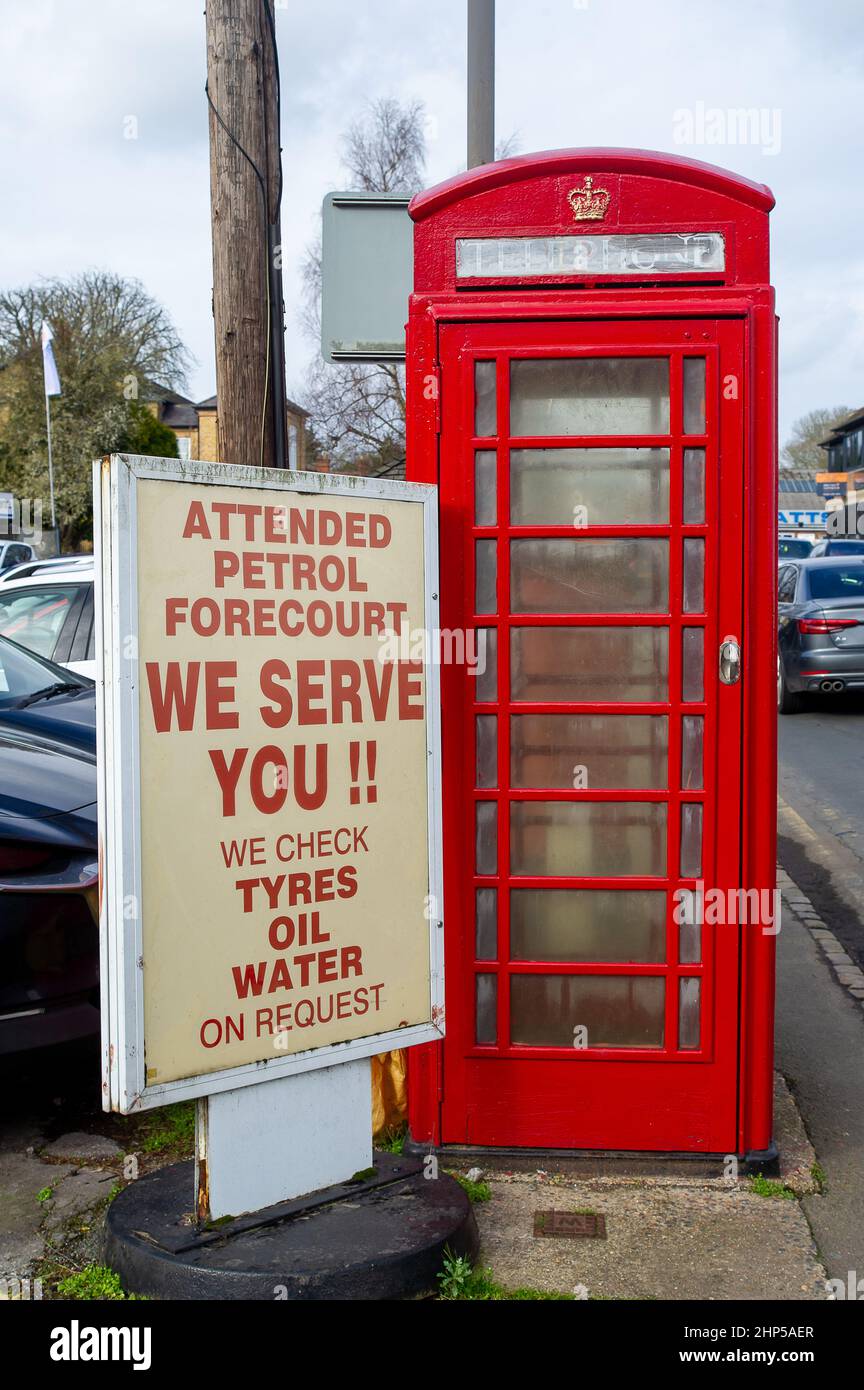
{"points": [[730, 661]]}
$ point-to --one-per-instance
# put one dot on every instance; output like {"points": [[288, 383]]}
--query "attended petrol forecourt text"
{"points": [[284, 833]]}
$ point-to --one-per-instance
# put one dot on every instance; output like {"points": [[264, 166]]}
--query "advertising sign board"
{"points": [[269, 799]]}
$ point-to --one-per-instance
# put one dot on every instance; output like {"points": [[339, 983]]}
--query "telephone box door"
{"points": [[591, 515]]}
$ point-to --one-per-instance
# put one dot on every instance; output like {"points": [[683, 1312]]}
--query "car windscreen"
{"points": [[22, 674], [795, 550], [837, 581], [34, 616], [845, 548]]}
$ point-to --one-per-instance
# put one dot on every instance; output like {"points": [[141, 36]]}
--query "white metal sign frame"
{"points": [[115, 527]]}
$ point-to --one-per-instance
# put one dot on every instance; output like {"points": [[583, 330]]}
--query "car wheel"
{"points": [[788, 701]]}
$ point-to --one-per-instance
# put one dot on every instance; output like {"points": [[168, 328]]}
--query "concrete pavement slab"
{"points": [[77, 1195], [663, 1242], [84, 1148], [22, 1177]]}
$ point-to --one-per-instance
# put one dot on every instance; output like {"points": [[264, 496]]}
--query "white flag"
{"points": [[49, 366]]}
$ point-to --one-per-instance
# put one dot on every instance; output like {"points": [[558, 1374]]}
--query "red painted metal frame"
{"points": [[473, 1109], [534, 316]]}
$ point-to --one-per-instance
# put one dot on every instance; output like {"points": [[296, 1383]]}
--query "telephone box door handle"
{"points": [[730, 661]]}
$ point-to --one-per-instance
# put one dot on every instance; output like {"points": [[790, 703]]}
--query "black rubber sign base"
{"points": [[381, 1236]]}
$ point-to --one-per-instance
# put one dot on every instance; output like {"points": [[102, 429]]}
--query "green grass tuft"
{"points": [[170, 1128], [95, 1282], [392, 1141], [477, 1191], [459, 1282], [770, 1187]]}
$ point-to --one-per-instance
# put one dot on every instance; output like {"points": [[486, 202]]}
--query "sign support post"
{"points": [[260, 1145]]}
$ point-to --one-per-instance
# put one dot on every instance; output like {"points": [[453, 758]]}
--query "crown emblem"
{"points": [[588, 204]]}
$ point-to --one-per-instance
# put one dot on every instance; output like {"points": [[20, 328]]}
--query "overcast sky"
{"points": [[76, 193]]}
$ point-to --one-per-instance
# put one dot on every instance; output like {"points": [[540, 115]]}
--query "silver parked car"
{"points": [[51, 614], [821, 628], [31, 567]]}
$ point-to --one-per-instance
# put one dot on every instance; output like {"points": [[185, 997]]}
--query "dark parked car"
{"points": [[821, 628], [49, 936], [38, 696], [841, 546]]}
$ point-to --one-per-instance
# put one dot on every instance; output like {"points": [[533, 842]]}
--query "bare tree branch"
{"points": [[801, 449], [385, 151]]}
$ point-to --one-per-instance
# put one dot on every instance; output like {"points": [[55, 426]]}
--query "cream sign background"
{"points": [[286, 900]]}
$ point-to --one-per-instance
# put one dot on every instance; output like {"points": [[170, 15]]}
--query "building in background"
{"points": [[803, 503], [844, 476], [798, 490], [196, 424]]}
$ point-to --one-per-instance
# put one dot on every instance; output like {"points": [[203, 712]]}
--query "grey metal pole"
{"points": [[481, 82]]}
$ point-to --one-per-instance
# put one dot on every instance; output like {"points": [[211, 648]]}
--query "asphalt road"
{"points": [[820, 1029], [820, 1051], [821, 812]]}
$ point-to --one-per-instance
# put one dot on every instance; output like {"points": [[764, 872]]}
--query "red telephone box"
{"points": [[591, 383]]}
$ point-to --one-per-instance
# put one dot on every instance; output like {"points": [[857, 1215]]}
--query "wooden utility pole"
{"points": [[245, 192]]}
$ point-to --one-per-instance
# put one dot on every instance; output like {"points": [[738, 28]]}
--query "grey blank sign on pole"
{"points": [[367, 274]]}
